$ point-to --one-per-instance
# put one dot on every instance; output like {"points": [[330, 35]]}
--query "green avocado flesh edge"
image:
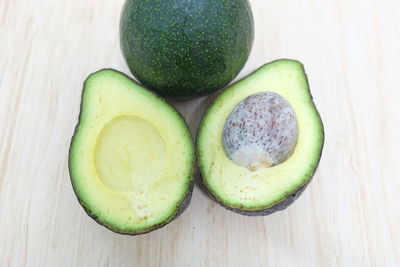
{"points": [[237, 187], [131, 158]]}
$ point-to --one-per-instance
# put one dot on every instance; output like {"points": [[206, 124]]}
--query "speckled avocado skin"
{"points": [[186, 48]]}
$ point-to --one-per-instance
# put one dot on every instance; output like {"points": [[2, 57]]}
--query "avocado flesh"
{"points": [[266, 190], [131, 158]]}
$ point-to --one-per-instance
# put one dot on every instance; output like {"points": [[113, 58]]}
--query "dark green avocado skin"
{"points": [[186, 48], [178, 211]]}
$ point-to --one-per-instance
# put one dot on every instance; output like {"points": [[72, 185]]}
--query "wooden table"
{"points": [[350, 214]]}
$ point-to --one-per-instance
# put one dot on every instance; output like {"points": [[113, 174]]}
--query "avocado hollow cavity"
{"points": [[261, 131], [130, 153]]}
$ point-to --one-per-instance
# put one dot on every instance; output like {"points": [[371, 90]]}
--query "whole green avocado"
{"points": [[186, 48]]}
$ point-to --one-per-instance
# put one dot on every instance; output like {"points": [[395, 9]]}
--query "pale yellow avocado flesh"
{"points": [[236, 186], [131, 158]]}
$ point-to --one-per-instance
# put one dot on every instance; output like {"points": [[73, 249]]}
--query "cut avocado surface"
{"points": [[182, 48], [261, 140], [131, 158]]}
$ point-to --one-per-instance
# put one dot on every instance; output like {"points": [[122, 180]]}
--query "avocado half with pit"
{"points": [[131, 158], [261, 140]]}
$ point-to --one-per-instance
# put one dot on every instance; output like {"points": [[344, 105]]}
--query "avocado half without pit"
{"points": [[132, 156], [261, 140]]}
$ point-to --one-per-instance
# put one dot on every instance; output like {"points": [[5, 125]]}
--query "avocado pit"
{"points": [[261, 131]]}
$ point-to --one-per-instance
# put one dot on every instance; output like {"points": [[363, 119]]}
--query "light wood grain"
{"points": [[349, 215]]}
